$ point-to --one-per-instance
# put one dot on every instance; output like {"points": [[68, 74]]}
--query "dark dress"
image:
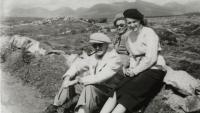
{"points": [[134, 92]]}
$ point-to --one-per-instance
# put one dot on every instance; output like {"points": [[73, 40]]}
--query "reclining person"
{"points": [[102, 67]]}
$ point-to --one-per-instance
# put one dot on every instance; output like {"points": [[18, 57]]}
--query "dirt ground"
{"points": [[19, 98]]}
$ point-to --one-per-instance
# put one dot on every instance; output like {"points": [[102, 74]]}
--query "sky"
{"points": [[7, 5]]}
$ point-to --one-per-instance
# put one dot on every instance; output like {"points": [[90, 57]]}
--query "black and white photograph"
{"points": [[100, 56]]}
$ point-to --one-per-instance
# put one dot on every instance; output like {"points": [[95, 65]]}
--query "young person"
{"points": [[145, 73]]}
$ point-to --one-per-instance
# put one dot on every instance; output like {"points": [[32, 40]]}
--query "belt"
{"points": [[158, 67]]}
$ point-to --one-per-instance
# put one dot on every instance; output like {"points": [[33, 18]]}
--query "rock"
{"points": [[29, 44], [192, 104], [19, 41], [181, 80], [175, 102], [189, 104]]}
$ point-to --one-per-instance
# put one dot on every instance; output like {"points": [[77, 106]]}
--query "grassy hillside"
{"points": [[60, 33], [179, 37]]}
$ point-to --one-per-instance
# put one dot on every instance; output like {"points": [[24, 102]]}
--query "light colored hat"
{"points": [[99, 38], [118, 16]]}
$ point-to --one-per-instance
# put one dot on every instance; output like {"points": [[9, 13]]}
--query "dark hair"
{"points": [[135, 14]]}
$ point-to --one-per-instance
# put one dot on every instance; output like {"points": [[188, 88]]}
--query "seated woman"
{"points": [[145, 74], [119, 42]]}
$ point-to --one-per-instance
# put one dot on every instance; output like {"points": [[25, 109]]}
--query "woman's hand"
{"points": [[128, 72], [124, 69]]}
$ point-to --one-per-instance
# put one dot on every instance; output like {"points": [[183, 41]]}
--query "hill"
{"points": [[32, 12], [179, 36], [109, 10], [63, 11], [41, 12], [189, 7]]}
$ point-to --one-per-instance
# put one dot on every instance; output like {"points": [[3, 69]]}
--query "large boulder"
{"points": [[188, 104], [182, 81], [31, 45]]}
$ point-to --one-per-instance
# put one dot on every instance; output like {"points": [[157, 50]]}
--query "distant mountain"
{"points": [[175, 7], [150, 9], [64, 11], [193, 6], [41, 12], [32, 12], [110, 10], [81, 10], [97, 11], [189, 7]]}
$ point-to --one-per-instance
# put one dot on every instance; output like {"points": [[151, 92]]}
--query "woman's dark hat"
{"points": [[134, 14]]}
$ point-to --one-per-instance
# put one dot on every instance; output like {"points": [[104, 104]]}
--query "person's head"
{"points": [[99, 42], [134, 19], [120, 23]]}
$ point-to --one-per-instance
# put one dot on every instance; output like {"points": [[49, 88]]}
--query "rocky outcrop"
{"points": [[184, 95], [29, 44]]}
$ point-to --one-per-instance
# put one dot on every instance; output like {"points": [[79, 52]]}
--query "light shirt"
{"points": [[100, 70], [144, 50]]}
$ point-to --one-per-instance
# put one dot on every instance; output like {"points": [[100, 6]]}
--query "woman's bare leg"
{"points": [[110, 104], [119, 109]]}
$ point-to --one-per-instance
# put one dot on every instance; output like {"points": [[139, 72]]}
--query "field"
{"points": [[179, 36]]}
